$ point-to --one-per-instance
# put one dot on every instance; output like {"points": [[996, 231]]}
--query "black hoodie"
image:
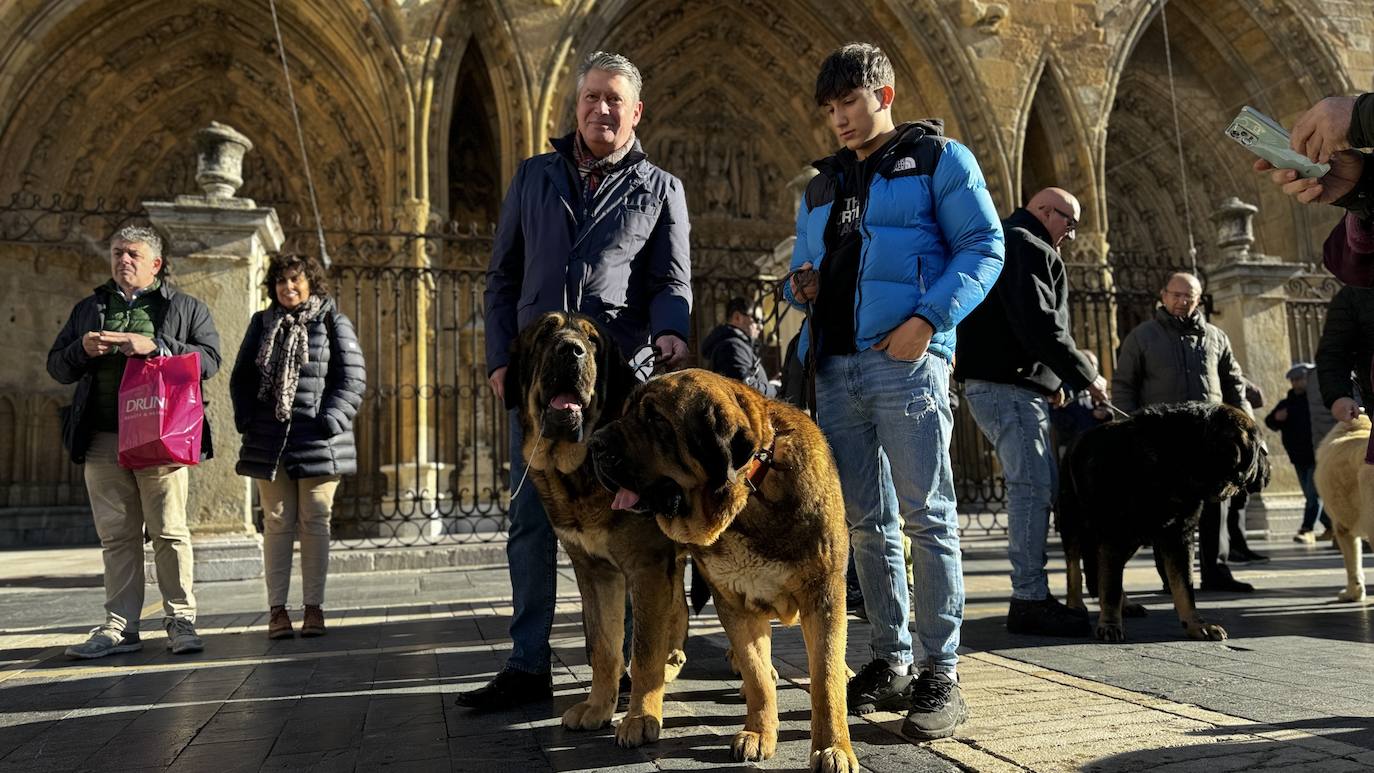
{"points": [[1020, 334]]}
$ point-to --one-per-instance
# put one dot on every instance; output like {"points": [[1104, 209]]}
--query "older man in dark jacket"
{"points": [[1175, 357], [1015, 354], [136, 314], [592, 227]]}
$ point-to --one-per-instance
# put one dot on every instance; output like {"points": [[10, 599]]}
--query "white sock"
{"points": [[900, 669]]}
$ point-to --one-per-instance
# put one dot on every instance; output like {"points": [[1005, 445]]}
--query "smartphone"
{"points": [[1263, 136]]}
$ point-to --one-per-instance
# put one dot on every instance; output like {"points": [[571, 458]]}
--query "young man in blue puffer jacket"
{"points": [[897, 240]]}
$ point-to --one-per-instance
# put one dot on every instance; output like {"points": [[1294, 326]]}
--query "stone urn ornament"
{"points": [[219, 160]]}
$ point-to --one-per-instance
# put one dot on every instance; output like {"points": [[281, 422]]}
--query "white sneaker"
{"points": [[1305, 537], [105, 640], [181, 636]]}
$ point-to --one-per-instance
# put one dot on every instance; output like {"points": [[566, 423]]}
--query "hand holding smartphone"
{"points": [[1264, 137]]}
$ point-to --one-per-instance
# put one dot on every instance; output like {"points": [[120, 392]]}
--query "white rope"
{"points": [[1178, 139], [300, 135], [533, 453]]}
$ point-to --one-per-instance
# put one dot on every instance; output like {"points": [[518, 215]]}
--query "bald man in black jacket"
{"points": [[1015, 352]]}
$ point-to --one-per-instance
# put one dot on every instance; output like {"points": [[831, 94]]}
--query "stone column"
{"points": [[219, 246], [1248, 298]]}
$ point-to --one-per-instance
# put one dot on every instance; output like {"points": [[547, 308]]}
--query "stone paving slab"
{"points": [[1288, 692]]}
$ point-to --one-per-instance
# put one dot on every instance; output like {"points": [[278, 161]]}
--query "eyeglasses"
{"points": [[1070, 219]]}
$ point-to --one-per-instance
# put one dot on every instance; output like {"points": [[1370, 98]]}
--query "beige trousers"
{"points": [[123, 503], [291, 509]]}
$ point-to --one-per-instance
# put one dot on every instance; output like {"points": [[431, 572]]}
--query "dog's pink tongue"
{"points": [[624, 499], [566, 401]]}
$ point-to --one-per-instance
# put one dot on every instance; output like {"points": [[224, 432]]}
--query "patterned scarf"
{"points": [[592, 169], [285, 348]]}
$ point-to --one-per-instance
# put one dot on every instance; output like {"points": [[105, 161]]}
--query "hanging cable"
{"points": [[300, 135], [1178, 139]]}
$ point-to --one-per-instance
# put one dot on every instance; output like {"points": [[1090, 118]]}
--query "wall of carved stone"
{"points": [[427, 106]]}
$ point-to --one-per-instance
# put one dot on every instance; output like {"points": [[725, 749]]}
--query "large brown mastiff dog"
{"points": [[567, 377], [749, 486]]}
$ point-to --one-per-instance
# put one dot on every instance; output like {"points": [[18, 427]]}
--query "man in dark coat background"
{"points": [[592, 227], [731, 349], [1175, 357], [138, 313], [1015, 355]]}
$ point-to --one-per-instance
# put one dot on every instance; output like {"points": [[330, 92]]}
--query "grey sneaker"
{"points": [[878, 688], [105, 640], [181, 636], [937, 708]]}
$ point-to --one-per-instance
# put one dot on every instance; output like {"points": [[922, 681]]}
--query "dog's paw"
{"points": [[637, 730], [1351, 594], [676, 660], [749, 746], [834, 759], [1205, 631], [1134, 609], [1111, 632], [588, 716]]}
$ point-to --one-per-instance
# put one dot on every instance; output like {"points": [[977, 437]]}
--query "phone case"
{"points": [[1264, 137]]}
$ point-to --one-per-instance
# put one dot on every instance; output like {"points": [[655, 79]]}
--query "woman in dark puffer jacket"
{"points": [[296, 387]]}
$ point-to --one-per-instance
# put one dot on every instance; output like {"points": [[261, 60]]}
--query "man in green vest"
{"points": [[135, 314]]}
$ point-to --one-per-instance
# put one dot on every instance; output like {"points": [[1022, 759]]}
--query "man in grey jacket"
{"points": [[1175, 357], [592, 227]]}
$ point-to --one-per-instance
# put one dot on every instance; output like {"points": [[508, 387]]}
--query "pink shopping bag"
{"points": [[160, 412]]}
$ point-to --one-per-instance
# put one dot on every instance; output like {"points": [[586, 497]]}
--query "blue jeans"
{"points": [[1017, 423], [1313, 509], [532, 556], [889, 425]]}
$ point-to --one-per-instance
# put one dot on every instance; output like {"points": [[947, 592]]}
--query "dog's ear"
{"points": [[719, 445]]}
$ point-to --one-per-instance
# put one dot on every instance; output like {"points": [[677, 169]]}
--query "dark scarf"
{"points": [[593, 170], [285, 348]]}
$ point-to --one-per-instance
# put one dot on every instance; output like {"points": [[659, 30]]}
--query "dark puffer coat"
{"points": [[318, 440]]}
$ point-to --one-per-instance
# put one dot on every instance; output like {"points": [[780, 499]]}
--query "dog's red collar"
{"points": [[759, 465]]}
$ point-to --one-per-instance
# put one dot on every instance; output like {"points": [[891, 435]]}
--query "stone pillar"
{"points": [[1248, 296], [219, 245]]}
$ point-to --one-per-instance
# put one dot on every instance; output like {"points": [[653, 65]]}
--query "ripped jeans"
{"points": [[889, 425]]}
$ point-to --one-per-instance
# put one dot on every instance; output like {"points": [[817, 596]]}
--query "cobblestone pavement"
{"points": [[1291, 690]]}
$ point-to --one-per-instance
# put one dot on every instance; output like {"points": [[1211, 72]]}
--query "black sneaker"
{"points": [[1047, 617], [878, 688], [1219, 579], [1245, 556], [508, 689], [937, 708]]}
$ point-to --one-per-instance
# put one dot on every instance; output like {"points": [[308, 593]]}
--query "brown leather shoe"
{"points": [[313, 624], [279, 626]]}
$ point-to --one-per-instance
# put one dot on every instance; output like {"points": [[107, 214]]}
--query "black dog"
{"points": [[1144, 481]]}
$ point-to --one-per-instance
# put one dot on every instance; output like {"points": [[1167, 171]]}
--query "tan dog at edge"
{"points": [[1346, 485]]}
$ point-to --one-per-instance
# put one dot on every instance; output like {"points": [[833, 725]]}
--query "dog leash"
{"points": [[521, 484]]}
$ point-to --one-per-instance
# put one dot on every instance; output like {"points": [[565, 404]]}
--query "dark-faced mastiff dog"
{"points": [[1144, 481], [749, 486], [567, 377]]}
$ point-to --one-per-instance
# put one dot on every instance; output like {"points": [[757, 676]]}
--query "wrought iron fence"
{"points": [[431, 438]]}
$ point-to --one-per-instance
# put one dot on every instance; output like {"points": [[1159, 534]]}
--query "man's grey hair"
{"points": [[612, 63], [130, 234]]}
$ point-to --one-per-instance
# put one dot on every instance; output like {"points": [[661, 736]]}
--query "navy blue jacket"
{"points": [[318, 440], [624, 260]]}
